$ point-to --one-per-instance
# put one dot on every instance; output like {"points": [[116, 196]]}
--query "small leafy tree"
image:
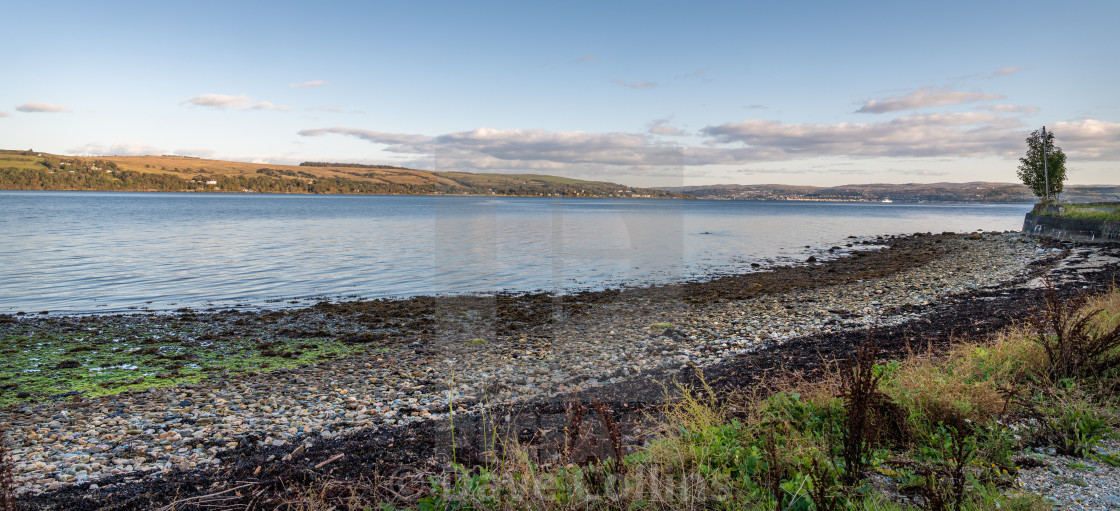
{"points": [[1031, 169]]}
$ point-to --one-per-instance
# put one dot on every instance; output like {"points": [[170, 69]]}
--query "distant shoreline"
{"points": [[748, 199], [973, 192], [254, 192], [28, 170]]}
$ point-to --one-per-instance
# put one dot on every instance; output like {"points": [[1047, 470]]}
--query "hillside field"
{"points": [[27, 170]]}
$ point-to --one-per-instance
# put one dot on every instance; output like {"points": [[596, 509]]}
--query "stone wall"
{"points": [[1073, 229]]}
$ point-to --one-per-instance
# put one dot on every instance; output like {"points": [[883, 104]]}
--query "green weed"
{"points": [[44, 362], [1073, 422]]}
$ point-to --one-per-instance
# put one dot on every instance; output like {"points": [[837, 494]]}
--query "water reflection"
{"points": [[96, 252]]}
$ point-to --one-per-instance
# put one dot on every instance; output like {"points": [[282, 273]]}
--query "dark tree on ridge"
{"points": [[1031, 170]]}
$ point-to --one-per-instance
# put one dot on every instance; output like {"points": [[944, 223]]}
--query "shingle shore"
{"points": [[1082, 484], [189, 426]]}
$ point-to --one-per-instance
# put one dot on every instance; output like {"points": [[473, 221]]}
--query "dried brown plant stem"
{"points": [[1076, 344], [616, 437], [860, 391], [575, 425]]}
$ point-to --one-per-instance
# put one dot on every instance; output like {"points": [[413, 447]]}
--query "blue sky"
{"points": [[643, 93]]}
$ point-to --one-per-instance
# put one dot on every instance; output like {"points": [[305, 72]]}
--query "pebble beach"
{"points": [[465, 360]]}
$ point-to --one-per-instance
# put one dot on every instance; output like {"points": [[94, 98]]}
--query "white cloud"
{"points": [[3, 114], [210, 154], [759, 171], [924, 97], [957, 134], [1011, 108], [558, 146], [36, 107], [837, 169], [376, 137], [587, 58], [221, 101], [1009, 70], [951, 135], [671, 131], [514, 148], [1089, 139], [634, 85], [239, 102], [265, 105], [264, 159], [196, 152], [920, 172], [451, 160], [662, 127], [127, 148], [312, 83]]}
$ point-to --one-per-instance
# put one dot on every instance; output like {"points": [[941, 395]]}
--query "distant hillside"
{"points": [[24, 170], [934, 192]]}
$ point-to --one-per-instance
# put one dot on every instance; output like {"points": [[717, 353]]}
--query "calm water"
{"points": [[108, 252]]}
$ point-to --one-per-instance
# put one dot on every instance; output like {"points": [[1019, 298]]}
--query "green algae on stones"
{"points": [[50, 359]]}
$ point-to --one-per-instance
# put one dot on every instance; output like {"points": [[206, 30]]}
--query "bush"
{"points": [[859, 389], [1077, 343]]}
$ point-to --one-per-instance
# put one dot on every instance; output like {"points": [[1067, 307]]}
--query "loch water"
{"points": [[96, 252]]}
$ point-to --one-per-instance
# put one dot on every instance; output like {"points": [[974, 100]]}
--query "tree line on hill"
{"points": [[105, 176], [349, 165]]}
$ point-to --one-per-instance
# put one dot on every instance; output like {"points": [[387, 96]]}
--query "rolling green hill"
{"points": [[27, 170]]}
